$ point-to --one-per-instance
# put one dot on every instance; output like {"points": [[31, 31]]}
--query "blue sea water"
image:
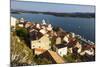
{"points": [[82, 26]]}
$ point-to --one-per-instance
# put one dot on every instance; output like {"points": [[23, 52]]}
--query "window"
{"points": [[60, 53]]}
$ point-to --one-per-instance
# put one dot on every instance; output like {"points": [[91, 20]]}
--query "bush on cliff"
{"points": [[20, 53]]}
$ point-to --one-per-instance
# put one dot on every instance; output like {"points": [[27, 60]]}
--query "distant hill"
{"points": [[77, 14]]}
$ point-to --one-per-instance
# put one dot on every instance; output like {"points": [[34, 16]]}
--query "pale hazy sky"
{"points": [[50, 7]]}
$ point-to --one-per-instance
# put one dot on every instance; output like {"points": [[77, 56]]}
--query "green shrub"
{"points": [[22, 32], [69, 58]]}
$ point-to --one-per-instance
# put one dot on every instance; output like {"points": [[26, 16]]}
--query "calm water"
{"points": [[82, 26]]}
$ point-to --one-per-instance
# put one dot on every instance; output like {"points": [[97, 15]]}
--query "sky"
{"points": [[51, 7]]}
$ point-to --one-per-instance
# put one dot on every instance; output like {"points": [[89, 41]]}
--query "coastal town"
{"points": [[49, 44]]}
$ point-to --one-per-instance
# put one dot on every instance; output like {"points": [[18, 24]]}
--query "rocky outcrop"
{"points": [[20, 53]]}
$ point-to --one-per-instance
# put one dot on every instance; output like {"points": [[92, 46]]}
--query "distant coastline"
{"points": [[77, 14]]}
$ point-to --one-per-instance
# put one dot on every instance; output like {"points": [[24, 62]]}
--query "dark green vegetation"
{"points": [[69, 58], [23, 34], [83, 15], [41, 61], [20, 53]]}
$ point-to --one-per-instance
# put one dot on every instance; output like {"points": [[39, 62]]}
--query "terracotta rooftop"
{"points": [[72, 43], [56, 57], [40, 49], [86, 47]]}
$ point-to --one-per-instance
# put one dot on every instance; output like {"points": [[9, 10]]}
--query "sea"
{"points": [[80, 26]]}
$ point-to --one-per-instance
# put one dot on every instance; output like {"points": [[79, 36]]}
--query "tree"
{"points": [[23, 35], [22, 32]]}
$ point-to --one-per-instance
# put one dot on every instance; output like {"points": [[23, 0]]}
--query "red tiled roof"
{"points": [[72, 43], [86, 47], [40, 49], [56, 57]]}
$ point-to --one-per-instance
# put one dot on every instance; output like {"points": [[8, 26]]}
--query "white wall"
{"points": [[62, 51], [13, 21]]}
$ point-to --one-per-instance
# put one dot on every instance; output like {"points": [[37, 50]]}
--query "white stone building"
{"points": [[43, 31], [22, 20], [79, 46], [89, 52], [44, 43], [13, 21], [20, 25], [66, 39], [49, 28], [58, 40], [61, 49]]}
